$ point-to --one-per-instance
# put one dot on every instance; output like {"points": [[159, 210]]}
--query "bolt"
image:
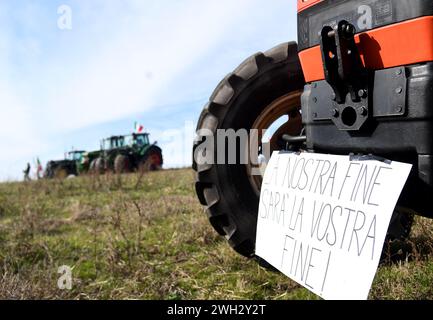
{"points": [[335, 113], [331, 34], [399, 72], [363, 111], [315, 100], [399, 109], [362, 93], [315, 115], [314, 85], [349, 30], [399, 90]]}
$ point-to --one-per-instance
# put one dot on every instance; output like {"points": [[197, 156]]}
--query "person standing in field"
{"points": [[27, 172]]}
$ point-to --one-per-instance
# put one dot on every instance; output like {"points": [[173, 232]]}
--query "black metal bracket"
{"points": [[387, 97], [346, 75]]}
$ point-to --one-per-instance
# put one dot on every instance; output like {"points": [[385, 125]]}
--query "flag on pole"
{"points": [[39, 168], [139, 128], [39, 164]]}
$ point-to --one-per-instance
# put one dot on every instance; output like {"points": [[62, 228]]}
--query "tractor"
{"points": [[125, 154], [358, 81], [71, 165]]}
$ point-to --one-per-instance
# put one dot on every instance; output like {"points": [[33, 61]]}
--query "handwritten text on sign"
{"points": [[323, 219]]}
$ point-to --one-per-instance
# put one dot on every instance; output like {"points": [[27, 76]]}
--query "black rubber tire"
{"points": [[61, 173], [401, 225], [92, 166], [225, 190], [152, 160], [99, 166], [396, 247], [122, 164], [49, 171]]}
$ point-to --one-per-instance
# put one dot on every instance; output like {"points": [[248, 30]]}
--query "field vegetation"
{"points": [[147, 237]]}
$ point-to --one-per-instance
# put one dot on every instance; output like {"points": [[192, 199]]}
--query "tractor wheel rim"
{"points": [[288, 105]]}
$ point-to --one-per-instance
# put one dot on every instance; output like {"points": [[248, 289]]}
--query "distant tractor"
{"points": [[71, 165], [125, 154]]}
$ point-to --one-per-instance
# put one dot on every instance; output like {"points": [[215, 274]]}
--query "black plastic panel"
{"points": [[388, 98], [363, 14]]}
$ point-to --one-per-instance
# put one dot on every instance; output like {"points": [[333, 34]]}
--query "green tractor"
{"points": [[125, 154], [72, 165]]}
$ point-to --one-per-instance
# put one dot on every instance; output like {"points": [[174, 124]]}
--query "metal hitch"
{"points": [[346, 75]]}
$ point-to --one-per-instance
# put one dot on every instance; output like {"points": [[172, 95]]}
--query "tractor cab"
{"points": [[112, 143], [76, 156], [130, 141], [141, 140]]}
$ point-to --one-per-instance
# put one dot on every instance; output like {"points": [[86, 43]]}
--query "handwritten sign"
{"points": [[323, 220]]}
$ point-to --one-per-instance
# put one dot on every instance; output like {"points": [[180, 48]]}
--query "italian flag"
{"points": [[139, 128], [39, 167]]}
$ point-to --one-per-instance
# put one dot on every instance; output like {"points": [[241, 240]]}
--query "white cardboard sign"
{"points": [[323, 220]]}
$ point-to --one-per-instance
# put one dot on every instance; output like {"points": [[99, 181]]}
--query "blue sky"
{"points": [[151, 61]]}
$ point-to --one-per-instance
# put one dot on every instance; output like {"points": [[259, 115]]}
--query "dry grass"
{"points": [[146, 237]]}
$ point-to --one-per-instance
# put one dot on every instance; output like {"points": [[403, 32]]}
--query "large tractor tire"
{"points": [[264, 88], [49, 171], [152, 160], [122, 164], [396, 247], [99, 167], [61, 173], [260, 91], [401, 225], [92, 166]]}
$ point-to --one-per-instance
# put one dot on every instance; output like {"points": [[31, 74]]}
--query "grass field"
{"points": [[147, 237]]}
